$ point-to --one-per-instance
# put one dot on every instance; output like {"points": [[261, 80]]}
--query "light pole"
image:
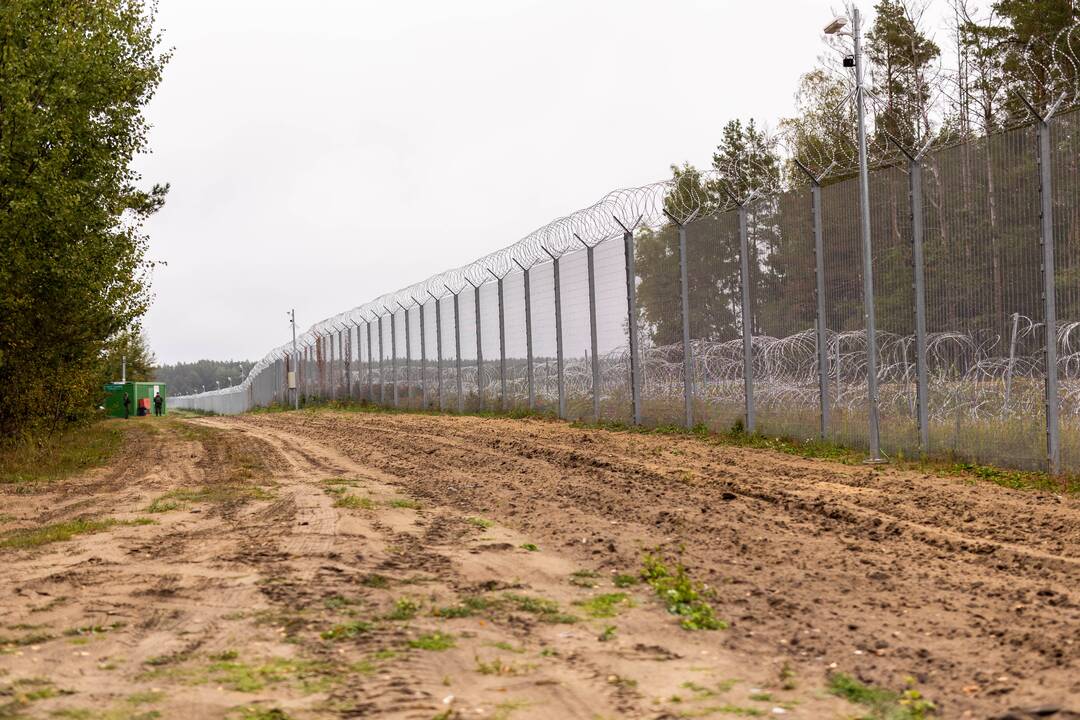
{"points": [[296, 391], [836, 27]]}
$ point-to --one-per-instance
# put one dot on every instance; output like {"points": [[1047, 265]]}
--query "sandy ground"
{"points": [[313, 565]]}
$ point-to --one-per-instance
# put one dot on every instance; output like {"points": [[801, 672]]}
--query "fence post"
{"points": [[423, 357], [747, 320], [502, 345], [684, 292], [631, 313], [408, 357], [457, 352], [560, 378], [819, 295], [528, 338], [348, 361], [393, 352], [917, 258], [1046, 218], [438, 352], [370, 364], [479, 349], [382, 374], [592, 329]]}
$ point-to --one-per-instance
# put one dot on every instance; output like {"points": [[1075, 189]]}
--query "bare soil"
{"points": [[322, 564]]}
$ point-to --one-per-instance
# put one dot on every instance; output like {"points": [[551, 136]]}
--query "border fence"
{"points": [[682, 302]]}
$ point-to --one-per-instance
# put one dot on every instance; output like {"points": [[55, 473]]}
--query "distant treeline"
{"points": [[185, 378]]}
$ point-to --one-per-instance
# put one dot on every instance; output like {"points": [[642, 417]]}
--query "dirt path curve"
{"points": [[247, 568], [971, 589]]}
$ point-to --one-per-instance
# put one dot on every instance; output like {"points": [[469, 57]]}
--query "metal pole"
{"points": [[688, 355], [438, 352], [528, 339], [560, 378], [393, 353], [632, 326], [423, 357], [819, 297], [296, 390], [382, 375], [479, 350], [370, 364], [457, 352], [1012, 361], [747, 321], [867, 248], [348, 361], [330, 374], [592, 330], [502, 345], [915, 180], [408, 358], [1053, 403]]}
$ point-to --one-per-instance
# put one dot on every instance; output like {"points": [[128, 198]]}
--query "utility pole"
{"points": [[295, 391]]}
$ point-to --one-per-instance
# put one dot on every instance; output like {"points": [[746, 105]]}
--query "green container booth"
{"points": [[141, 394]]}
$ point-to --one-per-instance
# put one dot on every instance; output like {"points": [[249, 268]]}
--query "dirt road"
{"points": [[312, 565]]}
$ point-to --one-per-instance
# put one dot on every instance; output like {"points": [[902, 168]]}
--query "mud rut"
{"points": [[220, 608]]}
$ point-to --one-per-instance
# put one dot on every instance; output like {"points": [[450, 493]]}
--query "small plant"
{"points": [[584, 578], [354, 502], [225, 655], [479, 522], [547, 610], [883, 704], [787, 677], [468, 607], [682, 596], [436, 641], [346, 631], [374, 580], [607, 634], [624, 581], [404, 609], [498, 667], [405, 503], [531, 547], [605, 606]]}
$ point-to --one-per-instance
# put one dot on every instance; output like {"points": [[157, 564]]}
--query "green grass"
{"points": [[227, 492], [468, 607], [531, 547], [479, 522], [76, 450], [258, 713], [346, 631], [882, 703], [404, 503], [624, 581], [546, 610], [354, 502], [60, 532], [682, 596], [436, 641], [606, 605], [404, 609]]}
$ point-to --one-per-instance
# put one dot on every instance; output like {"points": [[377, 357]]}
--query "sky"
{"points": [[323, 153]]}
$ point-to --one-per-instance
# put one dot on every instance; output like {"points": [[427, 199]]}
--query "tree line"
{"points": [[74, 276]]}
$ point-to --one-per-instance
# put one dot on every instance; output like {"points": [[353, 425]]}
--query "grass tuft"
{"points": [[683, 596], [60, 532]]}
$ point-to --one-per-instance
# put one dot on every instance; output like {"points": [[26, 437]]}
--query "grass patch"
{"points": [[498, 666], [546, 610], [682, 596], [624, 581], [375, 580], [468, 607], [531, 547], [584, 578], [48, 459], [258, 713], [354, 502], [606, 605], [404, 609], [882, 703], [436, 641], [480, 522], [60, 532], [346, 631], [404, 503]]}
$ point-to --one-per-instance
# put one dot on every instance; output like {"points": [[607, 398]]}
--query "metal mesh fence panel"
{"points": [[542, 301], [489, 337], [613, 345], [787, 387], [659, 320], [1065, 158], [412, 357], [984, 312], [516, 342], [467, 320], [712, 248], [449, 353], [576, 334]]}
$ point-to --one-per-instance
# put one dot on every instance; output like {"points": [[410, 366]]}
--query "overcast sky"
{"points": [[325, 152]]}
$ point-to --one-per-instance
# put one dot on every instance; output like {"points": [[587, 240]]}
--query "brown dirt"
{"points": [[221, 606]]}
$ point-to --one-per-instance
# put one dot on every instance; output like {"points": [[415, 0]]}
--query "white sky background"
{"points": [[322, 153]]}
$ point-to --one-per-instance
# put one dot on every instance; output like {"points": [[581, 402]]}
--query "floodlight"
{"points": [[836, 25]]}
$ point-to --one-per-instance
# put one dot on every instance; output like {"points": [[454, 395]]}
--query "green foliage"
{"points": [[681, 595], [75, 450], [882, 703], [404, 609], [74, 80], [59, 532], [436, 641], [346, 631], [606, 605]]}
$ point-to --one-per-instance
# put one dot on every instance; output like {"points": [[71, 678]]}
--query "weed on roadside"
{"points": [[60, 532], [498, 666], [546, 610], [354, 502], [346, 631], [436, 641], [624, 581], [882, 703], [584, 578], [479, 522], [404, 609], [681, 595], [404, 503], [606, 605]]}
